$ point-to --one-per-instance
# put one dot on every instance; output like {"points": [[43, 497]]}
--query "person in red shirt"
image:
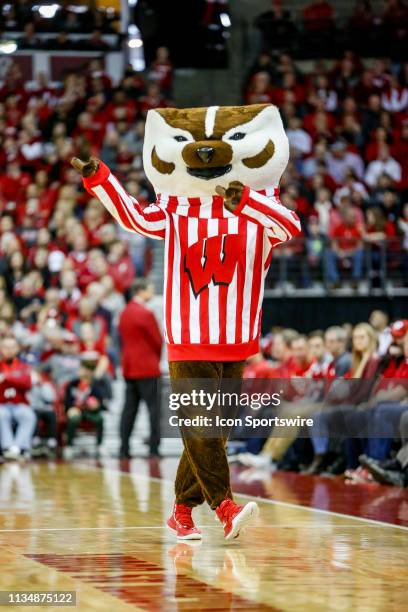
{"points": [[318, 16], [257, 367], [282, 354], [346, 249], [152, 99], [121, 267], [15, 411], [301, 357], [141, 342], [161, 70]]}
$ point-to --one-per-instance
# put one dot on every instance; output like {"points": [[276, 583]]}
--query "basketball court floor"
{"points": [[97, 529]]}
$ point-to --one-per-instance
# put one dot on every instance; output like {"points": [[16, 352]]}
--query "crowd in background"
{"points": [[367, 30], [66, 269], [347, 125], [66, 26], [355, 388]]}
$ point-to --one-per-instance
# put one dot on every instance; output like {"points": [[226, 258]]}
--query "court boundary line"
{"points": [[261, 499]]}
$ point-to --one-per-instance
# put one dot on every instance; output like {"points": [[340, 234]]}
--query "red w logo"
{"points": [[212, 259]]}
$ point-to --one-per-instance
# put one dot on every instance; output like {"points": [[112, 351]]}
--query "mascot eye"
{"points": [[180, 138], [237, 136]]}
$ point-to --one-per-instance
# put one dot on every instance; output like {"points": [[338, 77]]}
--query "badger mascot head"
{"points": [[191, 151]]}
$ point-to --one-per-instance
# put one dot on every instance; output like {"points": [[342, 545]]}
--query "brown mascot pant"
{"points": [[203, 471]]}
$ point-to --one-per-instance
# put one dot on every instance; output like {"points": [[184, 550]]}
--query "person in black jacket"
{"points": [[84, 401]]}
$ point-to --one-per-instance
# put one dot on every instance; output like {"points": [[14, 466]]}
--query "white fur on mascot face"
{"points": [[188, 152]]}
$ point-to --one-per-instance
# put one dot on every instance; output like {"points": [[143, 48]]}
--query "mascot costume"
{"points": [[216, 173]]}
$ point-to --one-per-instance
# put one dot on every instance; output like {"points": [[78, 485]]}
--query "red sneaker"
{"points": [[235, 517], [182, 523]]}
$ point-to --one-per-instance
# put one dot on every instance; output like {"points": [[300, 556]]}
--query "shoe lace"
{"points": [[183, 515]]}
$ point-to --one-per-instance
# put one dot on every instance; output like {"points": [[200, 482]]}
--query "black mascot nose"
{"points": [[205, 154]]}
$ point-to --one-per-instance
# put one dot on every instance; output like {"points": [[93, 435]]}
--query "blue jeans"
{"points": [[24, 418], [357, 259], [379, 426]]}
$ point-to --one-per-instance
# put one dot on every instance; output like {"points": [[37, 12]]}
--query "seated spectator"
{"points": [[382, 412], [346, 248], [318, 16], [87, 308], [391, 471], [379, 320], [315, 248], [121, 266], [395, 97], [276, 26], [378, 234], [259, 90], [152, 99], [282, 354], [29, 40], [112, 300], [15, 410], [321, 366], [384, 164], [84, 400], [62, 361], [96, 42], [299, 140], [364, 366], [326, 93], [403, 228], [43, 396], [161, 70], [360, 26], [335, 340], [340, 160], [89, 344]]}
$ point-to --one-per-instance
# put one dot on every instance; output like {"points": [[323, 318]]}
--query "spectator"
{"points": [[336, 344], [318, 16], [62, 362], [161, 70], [391, 471], [384, 164], [276, 27], [379, 321], [299, 140], [395, 97], [302, 361], [322, 362], [84, 400], [43, 397], [141, 343], [346, 249], [29, 40], [15, 411], [339, 161]]}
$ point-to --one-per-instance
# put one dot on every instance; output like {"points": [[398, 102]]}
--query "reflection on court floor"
{"points": [[99, 531]]}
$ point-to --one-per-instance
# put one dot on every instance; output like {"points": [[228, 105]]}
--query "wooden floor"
{"points": [[99, 531]]}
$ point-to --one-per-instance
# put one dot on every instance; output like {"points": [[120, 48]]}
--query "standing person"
{"points": [[141, 343], [15, 411]]}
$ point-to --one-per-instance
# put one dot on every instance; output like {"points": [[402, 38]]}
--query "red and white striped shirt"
{"points": [[215, 263]]}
